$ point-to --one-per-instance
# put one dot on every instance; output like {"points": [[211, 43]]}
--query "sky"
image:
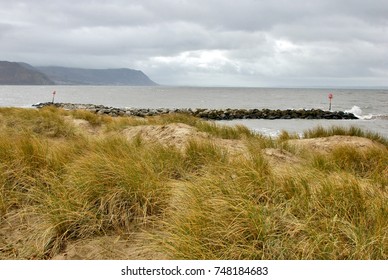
{"points": [[247, 43]]}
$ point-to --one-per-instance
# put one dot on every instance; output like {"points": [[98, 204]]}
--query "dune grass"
{"points": [[213, 129], [320, 131], [59, 185]]}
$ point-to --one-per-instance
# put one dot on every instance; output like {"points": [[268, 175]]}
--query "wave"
{"points": [[359, 114]]}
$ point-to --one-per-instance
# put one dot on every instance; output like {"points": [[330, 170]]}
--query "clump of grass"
{"points": [[116, 186], [371, 163], [285, 135], [201, 154], [52, 124], [216, 216], [48, 122], [174, 118], [120, 123], [350, 131], [224, 131], [93, 118]]}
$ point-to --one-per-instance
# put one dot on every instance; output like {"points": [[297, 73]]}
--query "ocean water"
{"points": [[371, 106]]}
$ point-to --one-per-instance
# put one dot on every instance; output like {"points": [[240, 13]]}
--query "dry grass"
{"points": [[350, 131], [63, 190]]}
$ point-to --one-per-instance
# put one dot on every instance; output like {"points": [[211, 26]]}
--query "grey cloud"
{"points": [[252, 41]]}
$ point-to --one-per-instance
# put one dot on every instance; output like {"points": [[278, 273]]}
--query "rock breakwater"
{"points": [[212, 114]]}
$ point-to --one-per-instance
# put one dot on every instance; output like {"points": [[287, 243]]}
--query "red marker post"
{"points": [[330, 98], [54, 92]]}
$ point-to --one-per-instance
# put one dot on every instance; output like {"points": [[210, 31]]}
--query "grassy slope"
{"points": [[60, 184]]}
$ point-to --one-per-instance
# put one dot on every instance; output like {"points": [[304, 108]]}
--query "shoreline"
{"points": [[211, 114]]}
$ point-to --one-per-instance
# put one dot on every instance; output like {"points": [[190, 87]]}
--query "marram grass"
{"points": [[60, 185], [320, 131]]}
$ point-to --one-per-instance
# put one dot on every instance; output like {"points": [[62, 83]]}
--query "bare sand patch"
{"points": [[277, 156], [327, 144], [83, 125], [177, 135], [110, 247]]}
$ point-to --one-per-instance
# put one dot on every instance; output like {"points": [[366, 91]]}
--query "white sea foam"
{"points": [[359, 114], [355, 110]]}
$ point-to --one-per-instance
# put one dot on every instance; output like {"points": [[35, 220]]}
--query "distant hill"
{"points": [[13, 73], [79, 76], [19, 73]]}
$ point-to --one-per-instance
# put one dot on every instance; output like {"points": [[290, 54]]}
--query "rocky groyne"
{"points": [[212, 114]]}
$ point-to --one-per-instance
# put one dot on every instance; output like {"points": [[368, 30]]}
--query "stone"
{"points": [[214, 114]]}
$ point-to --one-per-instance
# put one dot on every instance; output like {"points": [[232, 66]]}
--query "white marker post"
{"points": [[54, 92]]}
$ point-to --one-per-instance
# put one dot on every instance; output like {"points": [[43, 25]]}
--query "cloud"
{"points": [[205, 42]]}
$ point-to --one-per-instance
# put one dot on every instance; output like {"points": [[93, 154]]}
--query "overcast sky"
{"points": [[264, 43]]}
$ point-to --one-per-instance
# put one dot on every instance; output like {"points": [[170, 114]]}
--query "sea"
{"points": [[370, 105]]}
